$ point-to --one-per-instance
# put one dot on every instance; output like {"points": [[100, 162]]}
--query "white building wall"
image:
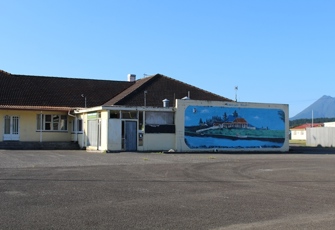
{"points": [[104, 130], [298, 134], [321, 136], [158, 142], [329, 124]]}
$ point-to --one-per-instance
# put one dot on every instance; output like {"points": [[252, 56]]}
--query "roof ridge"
{"points": [[139, 83], [68, 78], [5, 72], [192, 86]]}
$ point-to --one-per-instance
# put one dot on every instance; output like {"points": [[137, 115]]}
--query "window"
{"points": [[48, 122], [159, 122], [7, 124], [140, 120], [77, 127], [159, 118], [129, 115], [114, 114]]}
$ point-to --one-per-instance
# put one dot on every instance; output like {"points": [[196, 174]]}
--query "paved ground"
{"points": [[80, 190]]}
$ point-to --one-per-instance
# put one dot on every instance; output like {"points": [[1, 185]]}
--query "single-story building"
{"points": [[299, 132], [154, 113]]}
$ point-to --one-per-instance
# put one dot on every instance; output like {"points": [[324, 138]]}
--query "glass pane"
{"points": [[140, 121], [55, 126], [15, 125], [80, 125], [114, 114], [129, 114], [159, 118], [48, 118], [55, 118], [63, 123], [38, 121], [7, 124], [47, 126]]}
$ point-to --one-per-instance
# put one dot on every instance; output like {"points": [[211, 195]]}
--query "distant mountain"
{"points": [[324, 107]]}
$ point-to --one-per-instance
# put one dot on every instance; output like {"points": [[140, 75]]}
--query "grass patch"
{"points": [[298, 142]]}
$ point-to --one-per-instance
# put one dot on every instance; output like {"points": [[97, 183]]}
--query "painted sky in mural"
{"points": [[257, 117]]}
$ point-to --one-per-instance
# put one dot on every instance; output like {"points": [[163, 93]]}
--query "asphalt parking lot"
{"points": [[85, 190]]}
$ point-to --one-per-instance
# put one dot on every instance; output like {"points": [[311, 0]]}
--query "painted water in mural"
{"points": [[224, 127]]}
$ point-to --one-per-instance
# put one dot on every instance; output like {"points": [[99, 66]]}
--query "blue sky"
{"points": [[274, 51]]}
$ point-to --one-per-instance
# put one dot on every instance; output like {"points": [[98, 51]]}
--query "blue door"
{"points": [[130, 136]]}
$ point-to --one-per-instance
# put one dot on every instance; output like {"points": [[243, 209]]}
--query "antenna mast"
{"points": [[236, 88]]}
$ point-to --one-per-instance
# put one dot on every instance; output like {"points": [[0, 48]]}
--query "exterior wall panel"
{"points": [[114, 135], [321, 136], [158, 142], [104, 130]]}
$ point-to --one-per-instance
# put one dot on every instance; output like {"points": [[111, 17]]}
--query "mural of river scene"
{"points": [[224, 127]]}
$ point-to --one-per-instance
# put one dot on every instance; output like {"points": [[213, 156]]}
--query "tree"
{"points": [[235, 114], [225, 117], [298, 122], [281, 115]]}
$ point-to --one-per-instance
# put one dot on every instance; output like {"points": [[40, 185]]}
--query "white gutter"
{"points": [[123, 108]]}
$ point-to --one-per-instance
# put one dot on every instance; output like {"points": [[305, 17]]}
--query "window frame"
{"points": [[52, 123], [79, 126]]}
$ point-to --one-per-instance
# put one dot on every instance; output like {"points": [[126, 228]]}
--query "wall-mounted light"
{"points": [[82, 95]]}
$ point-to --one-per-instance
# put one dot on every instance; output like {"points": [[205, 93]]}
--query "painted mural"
{"points": [[226, 127]]}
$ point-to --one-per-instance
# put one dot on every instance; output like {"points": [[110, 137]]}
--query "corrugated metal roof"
{"points": [[308, 125]]}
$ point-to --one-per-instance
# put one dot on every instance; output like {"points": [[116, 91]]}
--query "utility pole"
{"points": [[312, 118]]}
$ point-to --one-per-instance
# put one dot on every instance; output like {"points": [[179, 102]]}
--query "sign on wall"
{"points": [[232, 127]]}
